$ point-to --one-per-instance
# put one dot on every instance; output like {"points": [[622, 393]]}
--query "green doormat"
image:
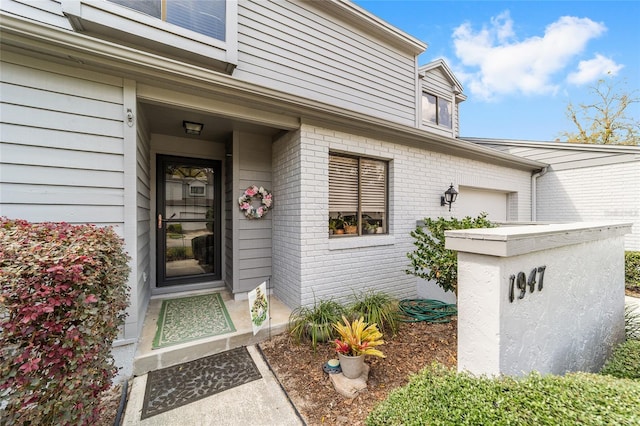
{"points": [[191, 318]]}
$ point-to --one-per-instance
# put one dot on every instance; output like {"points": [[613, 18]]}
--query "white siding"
{"points": [[293, 47], [62, 143], [336, 267]]}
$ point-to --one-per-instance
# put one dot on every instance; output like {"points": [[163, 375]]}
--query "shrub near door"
{"points": [[62, 302]]}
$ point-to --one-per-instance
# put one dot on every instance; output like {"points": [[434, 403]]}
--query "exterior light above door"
{"points": [[449, 197], [192, 128]]}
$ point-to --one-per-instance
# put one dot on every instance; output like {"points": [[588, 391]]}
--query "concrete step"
{"points": [[148, 359]]}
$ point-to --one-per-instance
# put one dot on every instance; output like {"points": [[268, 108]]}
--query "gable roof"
{"points": [[441, 65], [368, 22]]}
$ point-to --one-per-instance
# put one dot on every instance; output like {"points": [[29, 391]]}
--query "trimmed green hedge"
{"points": [[625, 361], [439, 396], [632, 270]]}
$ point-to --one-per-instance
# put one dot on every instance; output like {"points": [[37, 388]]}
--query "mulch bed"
{"points": [[299, 370]]}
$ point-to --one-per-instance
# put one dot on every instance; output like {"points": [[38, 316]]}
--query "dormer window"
{"points": [[436, 110], [204, 17]]}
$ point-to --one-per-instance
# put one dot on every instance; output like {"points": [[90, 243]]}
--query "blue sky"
{"points": [[522, 62]]}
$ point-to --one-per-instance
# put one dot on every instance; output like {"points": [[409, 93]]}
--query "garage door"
{"points": [[473, 201]]}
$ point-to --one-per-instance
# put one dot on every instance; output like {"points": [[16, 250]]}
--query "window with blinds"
{"points": [[357, 195], [204, 17]]}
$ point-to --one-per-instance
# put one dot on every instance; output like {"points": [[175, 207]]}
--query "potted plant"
{"points": [[370, 227], [350, 225], [336, 225], [357, 339]]}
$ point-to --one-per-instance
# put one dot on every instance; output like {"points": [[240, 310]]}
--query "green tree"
{"points": [[606, 120]]}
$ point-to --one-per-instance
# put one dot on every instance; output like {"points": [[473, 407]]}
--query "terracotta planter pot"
{"points": [[351, 229], [352, 366]]}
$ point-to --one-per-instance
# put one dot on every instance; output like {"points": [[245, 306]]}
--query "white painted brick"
{"points": [[305, 267]]}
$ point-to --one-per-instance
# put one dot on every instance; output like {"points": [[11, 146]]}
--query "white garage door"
{"points": [[473, 201]]}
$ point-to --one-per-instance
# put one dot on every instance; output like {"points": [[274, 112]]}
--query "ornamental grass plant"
{"points": [[378, 308], [315, 323]]}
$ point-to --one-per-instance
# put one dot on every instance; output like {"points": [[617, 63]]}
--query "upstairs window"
{"points": [[357, 196], [436, 110], [204, 17]]}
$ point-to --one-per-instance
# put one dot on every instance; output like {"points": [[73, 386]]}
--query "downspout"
{"points": [[534, 191]]}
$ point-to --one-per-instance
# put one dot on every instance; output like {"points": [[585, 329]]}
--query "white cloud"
{"points": [[496, 63], [593, 69]]}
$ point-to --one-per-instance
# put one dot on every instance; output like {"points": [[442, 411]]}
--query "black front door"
{"points": [[188, 220]]}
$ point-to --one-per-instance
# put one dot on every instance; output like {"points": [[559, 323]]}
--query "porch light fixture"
{"points": [[449, 197], [192, 128]]}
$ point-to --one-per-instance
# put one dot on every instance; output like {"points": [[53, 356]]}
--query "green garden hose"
{"points": [[435, 311]]}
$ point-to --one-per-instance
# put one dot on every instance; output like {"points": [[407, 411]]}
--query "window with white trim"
{"points": [[357, 195], [204, 17], [436, 110]]}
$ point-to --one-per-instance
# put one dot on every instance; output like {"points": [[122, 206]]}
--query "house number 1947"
{"points": [[522, 282]]}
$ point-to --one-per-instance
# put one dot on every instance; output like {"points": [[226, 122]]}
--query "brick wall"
{"points": [[307, 264], [286, 255], [608, 192]]}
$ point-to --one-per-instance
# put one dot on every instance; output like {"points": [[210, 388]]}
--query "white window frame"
{"points": [[449, 125], [103, 18]]}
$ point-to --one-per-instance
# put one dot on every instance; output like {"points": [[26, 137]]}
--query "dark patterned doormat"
{"points": [[182, 384], [191, 318]]}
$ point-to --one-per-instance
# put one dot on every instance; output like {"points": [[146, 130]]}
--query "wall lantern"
{"points": [[449, 197], [192, 128]]}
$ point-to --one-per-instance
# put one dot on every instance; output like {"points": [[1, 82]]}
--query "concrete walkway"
{"points": [[261, 402], [634, 302]]}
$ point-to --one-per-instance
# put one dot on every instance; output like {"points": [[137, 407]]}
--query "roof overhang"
{"points": [[66, 47], [369, 23]]}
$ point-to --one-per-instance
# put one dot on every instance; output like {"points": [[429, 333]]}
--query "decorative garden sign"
{"points": [[258, 307]]}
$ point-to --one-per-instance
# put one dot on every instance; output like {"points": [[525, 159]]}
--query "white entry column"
{"points": [[546, 298]]}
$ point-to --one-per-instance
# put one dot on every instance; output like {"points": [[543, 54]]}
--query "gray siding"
{"points": [[144, 220], [563, 156], [252, 239], [62, 143], [291, 46], [229, 200], [297, 47], [45, 11]]}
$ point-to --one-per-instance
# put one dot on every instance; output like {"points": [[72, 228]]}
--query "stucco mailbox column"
{"points": [[547, 298]]}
